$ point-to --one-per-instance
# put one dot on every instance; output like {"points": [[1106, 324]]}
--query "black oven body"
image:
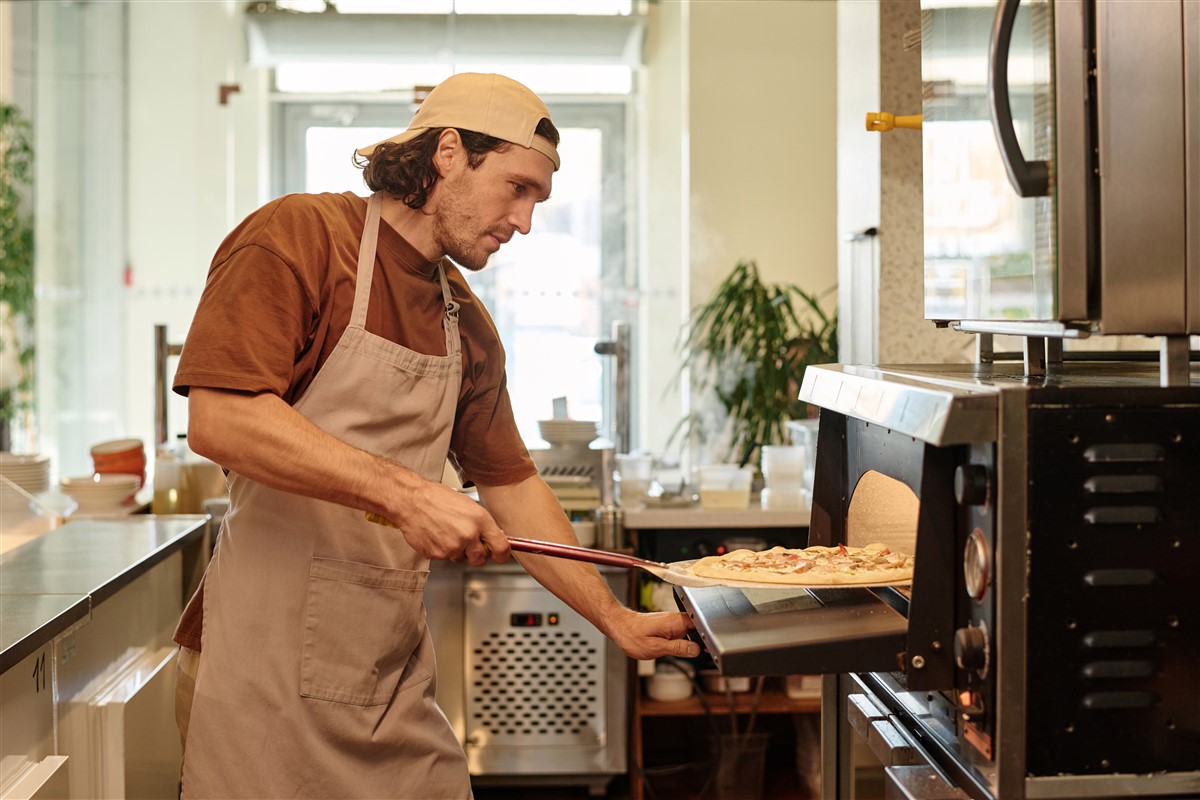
{"points": [[1113, 611], [1050, 643]]}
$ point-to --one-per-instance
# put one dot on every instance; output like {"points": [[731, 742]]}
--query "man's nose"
{"points": [[522, 218]]}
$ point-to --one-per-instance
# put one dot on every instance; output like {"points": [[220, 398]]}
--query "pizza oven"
{"points": [[1049, 645]]}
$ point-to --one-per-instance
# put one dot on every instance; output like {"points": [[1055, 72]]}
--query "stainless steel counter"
{"points": [[695, 517], [55, 580]]}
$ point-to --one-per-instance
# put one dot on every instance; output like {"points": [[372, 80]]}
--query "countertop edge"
{"points": [[20, 650], [42, 630]]}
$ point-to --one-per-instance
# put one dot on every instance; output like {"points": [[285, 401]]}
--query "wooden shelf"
{"points": [[772, 701]]}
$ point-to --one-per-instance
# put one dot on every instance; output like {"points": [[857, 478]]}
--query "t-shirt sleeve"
{"points": [[486, 446], [254, 318]]}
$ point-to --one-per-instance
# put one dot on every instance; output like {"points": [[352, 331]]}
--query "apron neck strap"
{"points": [[366, 262]]}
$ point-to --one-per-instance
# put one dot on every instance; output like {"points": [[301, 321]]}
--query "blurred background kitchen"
{"points": [[705, 144]]}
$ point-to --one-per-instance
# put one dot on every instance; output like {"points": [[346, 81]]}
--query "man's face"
{"points": [[480, 209]]}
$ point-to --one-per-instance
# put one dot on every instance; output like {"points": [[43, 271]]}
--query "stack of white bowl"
{"points": [[567, 432], [101, 494], [30, 472]]}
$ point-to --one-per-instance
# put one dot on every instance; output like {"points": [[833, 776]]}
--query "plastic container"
{"points": [[713, 681], [725, 487], [633, 477], [670, 683], [783, 499], [741, 761], [803, 433], [783, 467]]}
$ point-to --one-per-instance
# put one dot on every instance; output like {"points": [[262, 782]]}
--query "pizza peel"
{"points": [[668, 573], [678, 573]]}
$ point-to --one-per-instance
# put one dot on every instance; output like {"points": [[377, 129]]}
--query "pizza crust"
{"points": [[828, 566]]}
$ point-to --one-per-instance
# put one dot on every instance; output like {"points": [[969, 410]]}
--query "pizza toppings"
{"points": [[872, 564]]}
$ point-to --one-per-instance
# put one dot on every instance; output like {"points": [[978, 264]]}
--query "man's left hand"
{"points": [[652, 635]]}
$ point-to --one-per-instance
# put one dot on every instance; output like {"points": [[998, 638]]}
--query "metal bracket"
{"points": [[1174, 367]]}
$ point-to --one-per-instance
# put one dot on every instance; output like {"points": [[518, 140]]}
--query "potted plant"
{"points": [[747, 347], [16, 269]]}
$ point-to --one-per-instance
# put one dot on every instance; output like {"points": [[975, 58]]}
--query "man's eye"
{"points": [[519, 188]]}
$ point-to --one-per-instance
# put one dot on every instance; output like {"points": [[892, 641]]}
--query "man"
{"points": [[336, 359]]}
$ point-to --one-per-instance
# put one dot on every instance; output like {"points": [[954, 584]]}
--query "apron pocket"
{"points": [[362, 624]]}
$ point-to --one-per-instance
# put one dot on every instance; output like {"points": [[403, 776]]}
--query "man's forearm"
{"points": [[529, 509], [266, 440]]}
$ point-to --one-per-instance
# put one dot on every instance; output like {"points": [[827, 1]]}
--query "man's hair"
{"points": [[406, 170]]}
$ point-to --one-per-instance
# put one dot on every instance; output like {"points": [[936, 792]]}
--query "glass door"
{"points": [[989, 253]]}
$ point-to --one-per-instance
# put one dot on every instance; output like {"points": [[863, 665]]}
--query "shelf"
{"points": [[772, 701]]}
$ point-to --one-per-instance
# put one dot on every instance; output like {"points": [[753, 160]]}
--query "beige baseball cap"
{"points": [[489, 104]]}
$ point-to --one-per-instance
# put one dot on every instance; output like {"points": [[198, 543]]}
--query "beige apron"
{"points": [[317, 676]]}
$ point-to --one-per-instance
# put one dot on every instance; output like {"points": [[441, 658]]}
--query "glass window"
{"points": [[552, 293]]}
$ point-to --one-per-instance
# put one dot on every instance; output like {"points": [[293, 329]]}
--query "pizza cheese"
{"points": [[811, 566]]}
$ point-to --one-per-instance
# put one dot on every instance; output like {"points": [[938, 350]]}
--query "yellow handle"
{"points": [[884, 121], [379, 519]]}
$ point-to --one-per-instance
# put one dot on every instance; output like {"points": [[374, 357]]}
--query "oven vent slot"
{"points": [[1123, 484], [1098, 670], [1123, 515], [1123, 453], [1133, 638], [1121, 577], [1111, 701]]}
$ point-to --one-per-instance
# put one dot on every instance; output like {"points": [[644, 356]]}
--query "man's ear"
{"points": [[450, 153]]}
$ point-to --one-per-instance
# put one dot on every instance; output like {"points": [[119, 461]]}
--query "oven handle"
{"points": [[1028, 178], [883, 737]]}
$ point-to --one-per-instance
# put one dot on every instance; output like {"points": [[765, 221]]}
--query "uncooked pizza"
{"points": [[810, 566]]}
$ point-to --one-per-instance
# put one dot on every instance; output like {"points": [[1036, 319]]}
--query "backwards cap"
{"points": [[489, 104]]}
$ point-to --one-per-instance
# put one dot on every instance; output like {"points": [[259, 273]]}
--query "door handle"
{"points": [[1028, 178]]}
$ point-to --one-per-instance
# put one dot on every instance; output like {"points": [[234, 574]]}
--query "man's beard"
{"points": [[448, 223]]}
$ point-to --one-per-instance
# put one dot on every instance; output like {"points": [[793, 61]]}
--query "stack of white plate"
{"points": [[567, 432], [30, 472], [101, 494]]}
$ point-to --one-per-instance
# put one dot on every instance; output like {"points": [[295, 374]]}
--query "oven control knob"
{"points": [[971, 649], [972, 484]]}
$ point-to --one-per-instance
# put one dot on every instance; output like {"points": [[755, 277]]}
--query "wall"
{"points": [[659, 399], [739, 105], [762, 118]]}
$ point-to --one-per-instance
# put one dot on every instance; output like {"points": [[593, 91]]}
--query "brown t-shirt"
{"points": [[279, 295]]}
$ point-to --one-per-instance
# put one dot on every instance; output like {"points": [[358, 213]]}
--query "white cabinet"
{"points": [[47, 779], [120, 730]]}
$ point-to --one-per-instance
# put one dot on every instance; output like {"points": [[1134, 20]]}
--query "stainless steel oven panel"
{"points": [[794, 631], [1170, 785], [1072, 168], [1011, 571], [1191, 87], [934, 408], [1143, 205], [900, 729]]}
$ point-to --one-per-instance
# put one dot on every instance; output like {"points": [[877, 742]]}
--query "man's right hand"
{"points": [[441, 523]]}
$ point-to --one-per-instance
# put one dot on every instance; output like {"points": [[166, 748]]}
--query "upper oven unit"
{"points": [[1061, 162]]}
